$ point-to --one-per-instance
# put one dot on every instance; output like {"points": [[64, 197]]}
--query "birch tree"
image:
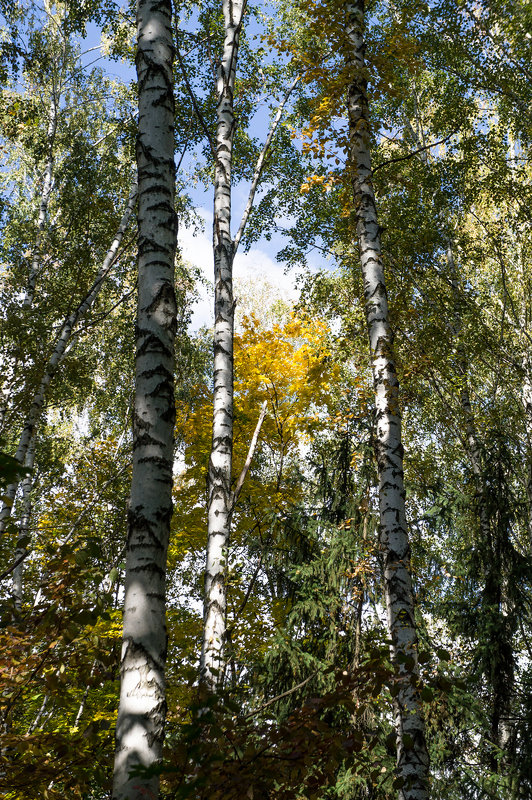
{"points": [[58, 353], [221, 498], [22, 540], [412, 754], [47, 181], [142, 707], [220, 462]]}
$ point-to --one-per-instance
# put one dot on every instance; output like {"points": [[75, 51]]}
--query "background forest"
{"points": [[297, 694]]}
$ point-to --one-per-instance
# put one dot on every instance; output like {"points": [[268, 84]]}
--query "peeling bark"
{"points": [[142, 707], [412, 754]]}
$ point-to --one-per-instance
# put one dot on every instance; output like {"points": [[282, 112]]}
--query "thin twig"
{"points": [[260, 164], [91, 505], [414, 152], [103, 315], [281, 696], [199, 115]]}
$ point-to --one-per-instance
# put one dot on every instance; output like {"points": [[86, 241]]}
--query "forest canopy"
{"points": [[266, 399]]}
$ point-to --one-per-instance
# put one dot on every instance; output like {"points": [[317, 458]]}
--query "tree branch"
{"points": [[260, 164], [199, 115], [414, 153], [280, 696], [251, 451], [14, 565]]}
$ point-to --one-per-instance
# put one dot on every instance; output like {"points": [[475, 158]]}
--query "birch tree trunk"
{"points": [[527, 407], [412, 754], [22, 542], [142, 707], [219, 501], [44, 201], [39, 399]]}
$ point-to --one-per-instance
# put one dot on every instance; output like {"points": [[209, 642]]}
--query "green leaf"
{"points": [[10, 472]]}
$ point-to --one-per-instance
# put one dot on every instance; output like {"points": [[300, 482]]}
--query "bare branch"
{"points": [[251, 451], [260, 164], [199, 115], [414, 152], [280, 696], [90, 506]]}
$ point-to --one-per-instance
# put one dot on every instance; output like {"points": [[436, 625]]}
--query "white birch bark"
{"points": [[39, 399], [527, 406], [81, 707], [412, 754], [221, 501], [22, 544], [220, 462], [39, 716], [46, 191], [142, 707]]}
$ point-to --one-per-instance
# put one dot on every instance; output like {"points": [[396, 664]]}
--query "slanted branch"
{"points": [[249, 458]]}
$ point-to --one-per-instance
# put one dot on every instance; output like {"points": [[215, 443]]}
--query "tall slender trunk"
{"points": [[22, 541], [39, 398], [412, 754], [40, 715], [220, 463], [221, 500], [527, 406], [500, 679], [142, 707], [81, 707], [46, 191]]}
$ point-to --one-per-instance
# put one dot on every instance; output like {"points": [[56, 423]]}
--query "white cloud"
{"points": [[196, 248]]}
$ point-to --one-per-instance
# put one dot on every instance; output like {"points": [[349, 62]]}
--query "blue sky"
{"points": [[260, 261]]}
